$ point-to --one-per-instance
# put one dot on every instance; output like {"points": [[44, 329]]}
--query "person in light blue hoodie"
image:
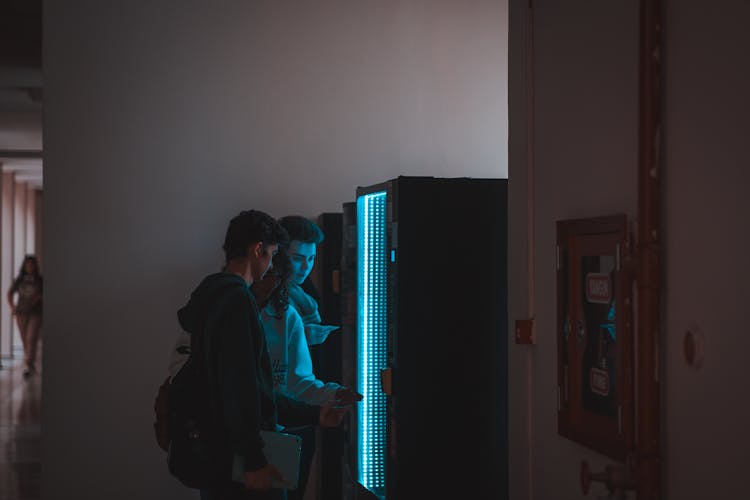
{"points": [[304, 238], [290, 355], [291, 363]]}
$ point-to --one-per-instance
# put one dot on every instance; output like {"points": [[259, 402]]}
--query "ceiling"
{"points": [[21, 89]]}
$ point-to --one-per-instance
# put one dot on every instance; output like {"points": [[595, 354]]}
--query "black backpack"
{"points": [[197, 452]]}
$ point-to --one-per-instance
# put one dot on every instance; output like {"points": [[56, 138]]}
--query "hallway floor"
{"points": [[20, 432]]}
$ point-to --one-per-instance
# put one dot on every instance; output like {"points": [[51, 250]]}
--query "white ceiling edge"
{"points": [[21, 164], [25, 170]]}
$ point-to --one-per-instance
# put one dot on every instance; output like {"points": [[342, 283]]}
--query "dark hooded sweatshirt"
{"points": [[235, 354]]}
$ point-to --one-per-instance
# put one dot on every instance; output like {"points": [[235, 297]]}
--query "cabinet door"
{"points": [[595, 340]]}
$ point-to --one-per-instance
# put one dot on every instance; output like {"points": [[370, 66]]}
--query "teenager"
{"points": [[225, 313], [304, 238]]}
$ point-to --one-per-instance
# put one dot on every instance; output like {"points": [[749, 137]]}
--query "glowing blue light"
{"points": [[371, 339], [610, 324]]}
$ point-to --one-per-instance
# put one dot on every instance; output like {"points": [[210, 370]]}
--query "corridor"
{"points": [[20, 432]]}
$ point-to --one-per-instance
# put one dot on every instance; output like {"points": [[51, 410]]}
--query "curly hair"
{"points": [[22, 272], [302, 229], [282, 266], [248, 227]]}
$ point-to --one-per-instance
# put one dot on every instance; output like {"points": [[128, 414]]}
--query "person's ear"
{"points": [[255, 249]]}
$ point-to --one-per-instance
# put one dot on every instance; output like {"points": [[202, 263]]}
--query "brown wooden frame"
{"points": [[612, 435]]}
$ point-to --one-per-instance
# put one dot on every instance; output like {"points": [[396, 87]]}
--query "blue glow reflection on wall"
{"points": [[371, 339]]}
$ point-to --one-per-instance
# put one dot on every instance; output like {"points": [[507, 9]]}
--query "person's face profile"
{"points": [[302, 255], [263, 288], [263, 259]]}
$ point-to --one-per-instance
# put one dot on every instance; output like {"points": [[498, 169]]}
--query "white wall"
{"points": [[19, 243], [584, 121], [7, 270], [30, 218], [708, 243], [39, 226], [162, 122], [584, 148]]}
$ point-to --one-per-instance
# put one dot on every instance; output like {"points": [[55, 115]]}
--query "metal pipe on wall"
{"points": [[648, 459], [530, 227]]}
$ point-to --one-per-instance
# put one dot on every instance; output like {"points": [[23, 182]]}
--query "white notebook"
{"points": [[282, 450]]}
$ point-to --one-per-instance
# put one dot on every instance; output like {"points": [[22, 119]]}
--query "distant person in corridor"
{"points": [[28, 309]]}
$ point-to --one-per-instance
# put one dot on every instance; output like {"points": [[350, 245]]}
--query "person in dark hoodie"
{"points": [[225, 312]]}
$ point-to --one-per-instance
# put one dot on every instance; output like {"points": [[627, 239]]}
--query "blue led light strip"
{"points": [[371, 340]]}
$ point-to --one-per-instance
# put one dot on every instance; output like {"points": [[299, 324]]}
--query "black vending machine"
{"points": [[424, 316], [327, 358]]}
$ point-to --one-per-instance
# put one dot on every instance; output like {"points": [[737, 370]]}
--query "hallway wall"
{"points": [[7, 272], [707, 272], [161, 123], [583, 148]]}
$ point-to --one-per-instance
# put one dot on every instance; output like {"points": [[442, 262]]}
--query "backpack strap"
{"points": [[201, 349]]}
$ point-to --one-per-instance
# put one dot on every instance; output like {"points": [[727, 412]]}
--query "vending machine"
{"points": [[424, 295], [327, 357]]}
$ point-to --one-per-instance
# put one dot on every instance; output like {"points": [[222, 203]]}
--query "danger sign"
{"points": [[599, 381], [598, 288]]}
